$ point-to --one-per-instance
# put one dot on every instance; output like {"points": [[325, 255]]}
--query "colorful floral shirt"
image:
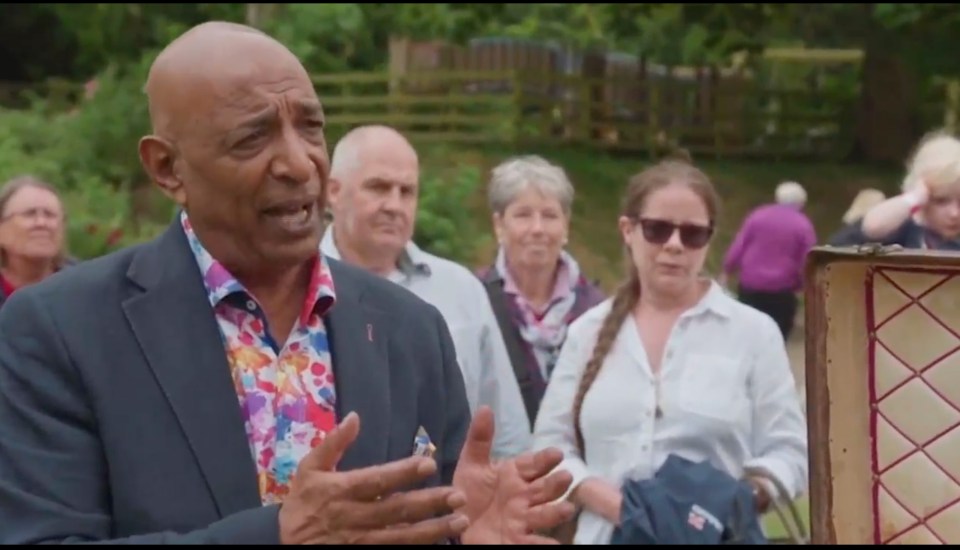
{"points": [[286, 391]]}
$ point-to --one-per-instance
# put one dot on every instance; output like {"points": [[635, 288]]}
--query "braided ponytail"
{"points": [[625, 299]]}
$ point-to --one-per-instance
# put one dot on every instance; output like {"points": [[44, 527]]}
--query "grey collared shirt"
{"points": [[481, 353]]}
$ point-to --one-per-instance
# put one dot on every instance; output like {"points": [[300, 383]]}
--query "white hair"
{"points": [[515, 175], [792, 193], [937, 161]]}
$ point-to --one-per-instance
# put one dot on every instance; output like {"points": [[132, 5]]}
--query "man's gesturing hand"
{"points": [[512, 500], [366, 506]]}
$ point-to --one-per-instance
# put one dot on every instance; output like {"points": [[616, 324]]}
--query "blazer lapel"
{"points": [[358, 346], [178, 334]]}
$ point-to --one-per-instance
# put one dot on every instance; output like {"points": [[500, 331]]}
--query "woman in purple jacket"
{"points": [[769, 253], [535, 286]]}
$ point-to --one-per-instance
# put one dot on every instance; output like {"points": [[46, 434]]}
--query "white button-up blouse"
{"points": [[726, 394]]}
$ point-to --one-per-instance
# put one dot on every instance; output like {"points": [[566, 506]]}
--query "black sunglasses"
{"points": [[691, 235]]}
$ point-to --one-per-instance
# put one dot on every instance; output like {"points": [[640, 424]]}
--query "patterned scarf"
{"points": [[544, 330]]}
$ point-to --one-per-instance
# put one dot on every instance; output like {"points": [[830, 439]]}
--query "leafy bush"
{"points": [[444, 226], [101, 218], [19, 153], [89, 152], [325, 36]]}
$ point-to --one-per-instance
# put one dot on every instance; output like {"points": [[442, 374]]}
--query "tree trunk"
{"points": [[888, 115]]}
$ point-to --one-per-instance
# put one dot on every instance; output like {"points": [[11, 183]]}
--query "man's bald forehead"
{"points": [[202, 55], [210, 26], [203, 35], [348, 153]]}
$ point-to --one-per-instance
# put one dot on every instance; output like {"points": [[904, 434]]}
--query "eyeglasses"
{"points": [[33, 214], [692, 236]]}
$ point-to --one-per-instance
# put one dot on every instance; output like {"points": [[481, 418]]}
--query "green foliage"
{"points": [[99, 212], [329, 37], [121, 33], [428, 21], [666, 35], [101, 219], [355, 35], [97, 138], [579, 25], [102, 135], [89, 151], [444, 226], [20, 153], [923, 33]]}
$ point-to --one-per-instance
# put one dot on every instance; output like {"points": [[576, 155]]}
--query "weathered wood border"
{"points": [[819, 261]]}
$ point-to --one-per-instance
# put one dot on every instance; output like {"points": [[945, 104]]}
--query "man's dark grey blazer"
{"points": [[118, 417]]}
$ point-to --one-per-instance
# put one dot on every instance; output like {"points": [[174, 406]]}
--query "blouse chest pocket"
{"points": [[713, 386]]}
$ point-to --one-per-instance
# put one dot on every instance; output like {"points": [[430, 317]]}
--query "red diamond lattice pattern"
{"points": [[914, 370]]}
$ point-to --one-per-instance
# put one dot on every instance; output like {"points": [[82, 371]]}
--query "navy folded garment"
{"points": [[688, 503]]}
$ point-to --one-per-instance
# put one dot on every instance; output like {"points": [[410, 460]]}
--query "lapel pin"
{"points": [[422, 446], [370, 332]]}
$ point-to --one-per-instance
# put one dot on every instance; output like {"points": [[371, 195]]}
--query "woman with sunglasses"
{"points": [[670, 365], [31, 234]]}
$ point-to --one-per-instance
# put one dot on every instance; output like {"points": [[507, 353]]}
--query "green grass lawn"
{"points": [[775, 530]]}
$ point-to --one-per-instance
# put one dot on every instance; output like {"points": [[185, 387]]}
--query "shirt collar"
{"points": [[220, 283], [567, 278], [412, 261], [716, 301]]}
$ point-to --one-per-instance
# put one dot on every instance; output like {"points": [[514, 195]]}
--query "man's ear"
{"points": [[158, 158], [334, 187]]}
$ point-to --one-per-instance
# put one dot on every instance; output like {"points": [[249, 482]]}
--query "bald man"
{"points": [[226, 383], [374, 183]]}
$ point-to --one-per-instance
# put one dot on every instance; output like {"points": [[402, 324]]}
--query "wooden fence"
{"points": [[650, 111], [796, 102], [706, 114]]}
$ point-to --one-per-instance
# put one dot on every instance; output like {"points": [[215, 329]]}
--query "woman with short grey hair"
{"points": [[536, 287], [512, 177]]}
